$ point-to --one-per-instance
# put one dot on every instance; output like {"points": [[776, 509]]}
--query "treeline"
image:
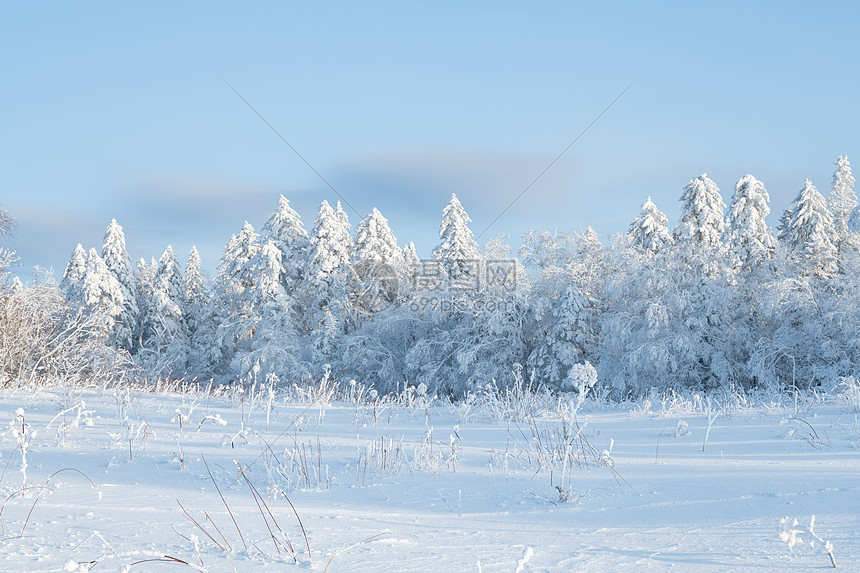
{"points": [[721, 300]]}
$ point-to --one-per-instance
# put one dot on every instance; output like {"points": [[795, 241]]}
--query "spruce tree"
{"points": [[377, 269], [196, 285], [170, 294], [116, 259], [843, 199], [102, 293], [843, 206], [810, 234], [203, 321], [702, 219], [73, 276], [564, 344], [748, 235], [410, 256], [324, 289], [375, 241], [328, 259], [235, 272], [457, 249], [285, 231], [648, 231]]}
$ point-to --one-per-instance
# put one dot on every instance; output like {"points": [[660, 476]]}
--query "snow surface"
{"points": [[415, 485]]}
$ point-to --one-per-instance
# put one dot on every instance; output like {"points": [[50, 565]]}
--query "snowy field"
{"points": [[117, 480]]}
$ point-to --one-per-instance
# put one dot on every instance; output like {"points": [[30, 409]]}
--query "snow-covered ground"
{"points": [[120, 481]]}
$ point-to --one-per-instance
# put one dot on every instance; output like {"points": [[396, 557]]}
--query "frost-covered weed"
{"points": [[319, 395], [517, 402], [848, 394], [23, 436], [790, 532], [554, 447], [216, 420], [297, 467], [801, 429], [136, 436], [381, 457], [82, 415], [712, 414], [434, 456], [582, 378], [180, 418]]}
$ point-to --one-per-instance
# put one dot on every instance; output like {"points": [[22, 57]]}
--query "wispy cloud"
{"points": [[422, 177]]}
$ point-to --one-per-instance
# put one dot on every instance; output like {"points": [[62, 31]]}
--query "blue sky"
{"points": [[120, 110]]}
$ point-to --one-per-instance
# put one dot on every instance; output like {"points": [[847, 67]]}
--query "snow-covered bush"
{"points": [[849, 394], [44, 340]]}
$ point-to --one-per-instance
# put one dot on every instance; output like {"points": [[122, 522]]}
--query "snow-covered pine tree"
{"points": [[784, 228], [235, 273], [144, 278], [329, 255], [843, 199], [73, 276], [810, 235], [377, 269], [571, 330], [167, 346], [410, 255], [204, 352], [343, 218], [702, 219], [196, 288], [232, 290], [375, 241], [274, 347], [268, 292], [457, 248], [750, 239], [843, 206], [648, 231], [445, 352], [326, 271], [284, 229], [102, 293], [170, 293], [411, 268], [116, 258]]}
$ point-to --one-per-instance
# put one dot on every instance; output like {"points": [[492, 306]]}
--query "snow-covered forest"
{"points": [[682, 398], [720, 301]]}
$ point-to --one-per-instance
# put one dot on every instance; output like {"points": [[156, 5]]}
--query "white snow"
{"points": [[397, 485]]}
